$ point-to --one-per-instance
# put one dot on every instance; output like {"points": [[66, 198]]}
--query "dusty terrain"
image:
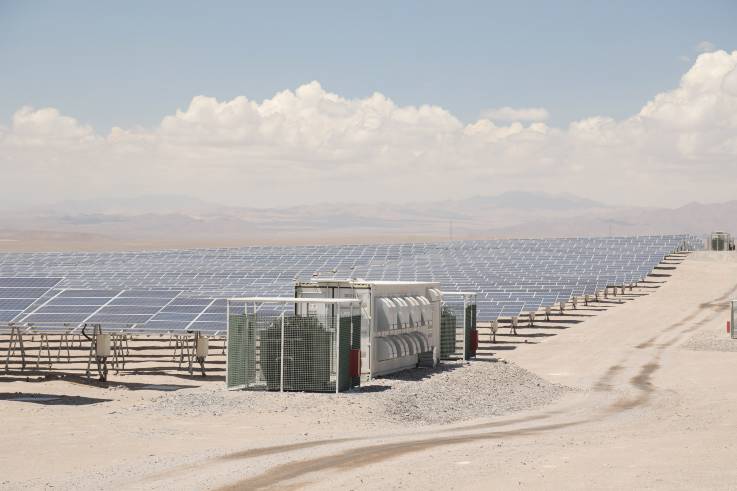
{"points": [[630, 395], [154, 222]]}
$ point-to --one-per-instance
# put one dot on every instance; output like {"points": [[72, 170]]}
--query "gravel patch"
{"points": [[461, 391], [215, 400], [451, 392], [711, 340]]}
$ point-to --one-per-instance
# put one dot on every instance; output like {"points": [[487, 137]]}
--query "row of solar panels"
{"points": [[68, 309], [169, 291], [203, 259]]}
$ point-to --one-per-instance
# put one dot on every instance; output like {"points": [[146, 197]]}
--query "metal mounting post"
{"points": [[16, 340], [494, 327]]}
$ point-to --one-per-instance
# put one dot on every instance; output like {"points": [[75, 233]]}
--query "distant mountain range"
{"points": [[179, 221]]}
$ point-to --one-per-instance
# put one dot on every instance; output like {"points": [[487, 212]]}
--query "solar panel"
{"points": [[8, 315], [19, 293], [71, 308], [180, 290]]}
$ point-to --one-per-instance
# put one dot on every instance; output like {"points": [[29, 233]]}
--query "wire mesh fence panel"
{"points": [[237, 374], [458, 328], [448, 332], [288, 352], [452, 334], [306, 351]]}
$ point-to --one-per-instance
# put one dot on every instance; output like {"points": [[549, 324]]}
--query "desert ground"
{"points": [[635, 391]]}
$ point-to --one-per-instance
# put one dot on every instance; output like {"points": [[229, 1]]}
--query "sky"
{"points": [[290, 102]]}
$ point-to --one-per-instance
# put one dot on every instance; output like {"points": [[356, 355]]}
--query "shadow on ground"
{"points": [[421, 373], [93, 382], [52, 399]]}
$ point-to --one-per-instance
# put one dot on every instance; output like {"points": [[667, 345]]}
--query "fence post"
{"points": [[337, 348], [350, 350], [281, 375], [465, 327], [227, 336]]}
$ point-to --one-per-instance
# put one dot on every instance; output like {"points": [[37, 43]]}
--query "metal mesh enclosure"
{"points": [[283, 351], [720, 241], [458, 338], [448, 333], [238, 373]]}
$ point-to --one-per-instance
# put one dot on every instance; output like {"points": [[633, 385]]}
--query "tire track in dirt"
{"points": [[293, 447], [604, 382], [367, 455], [717, 306], [363, 456], [642, 380]]}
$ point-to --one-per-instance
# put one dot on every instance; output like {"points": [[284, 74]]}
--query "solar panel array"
{"points": [[17, 294], [109, 307], [184, 290]]}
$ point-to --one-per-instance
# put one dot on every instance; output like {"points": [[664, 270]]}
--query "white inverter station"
{"points": [[400, 321]]}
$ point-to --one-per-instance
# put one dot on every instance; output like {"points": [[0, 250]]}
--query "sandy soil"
{"points": [[630, 395]]}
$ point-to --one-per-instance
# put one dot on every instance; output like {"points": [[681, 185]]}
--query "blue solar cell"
{"points": [[55, 318], [118, 319], [201, 302], [9, 315], [23, 282], [66, 309], [93, 302], [168, 294], [212, 318], [129, 309], [32, 293], [88, 293], [13, 303], [175, 317], [42, 282], [208, 326], [182, 309], [164, 326], [216, 309], [139, 301]]}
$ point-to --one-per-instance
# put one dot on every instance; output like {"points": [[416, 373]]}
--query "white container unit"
{"points": [[400, 321]]}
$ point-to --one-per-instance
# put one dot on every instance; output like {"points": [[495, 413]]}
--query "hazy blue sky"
{"points": [[288, 103], [130, 63]]}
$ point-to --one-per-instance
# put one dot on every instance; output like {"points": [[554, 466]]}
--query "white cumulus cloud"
{"points": [[310, 145], [516, 114], [47, 127]]}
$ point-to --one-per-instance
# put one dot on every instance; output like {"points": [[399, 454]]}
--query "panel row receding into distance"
{"points": [[180, 290]]}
